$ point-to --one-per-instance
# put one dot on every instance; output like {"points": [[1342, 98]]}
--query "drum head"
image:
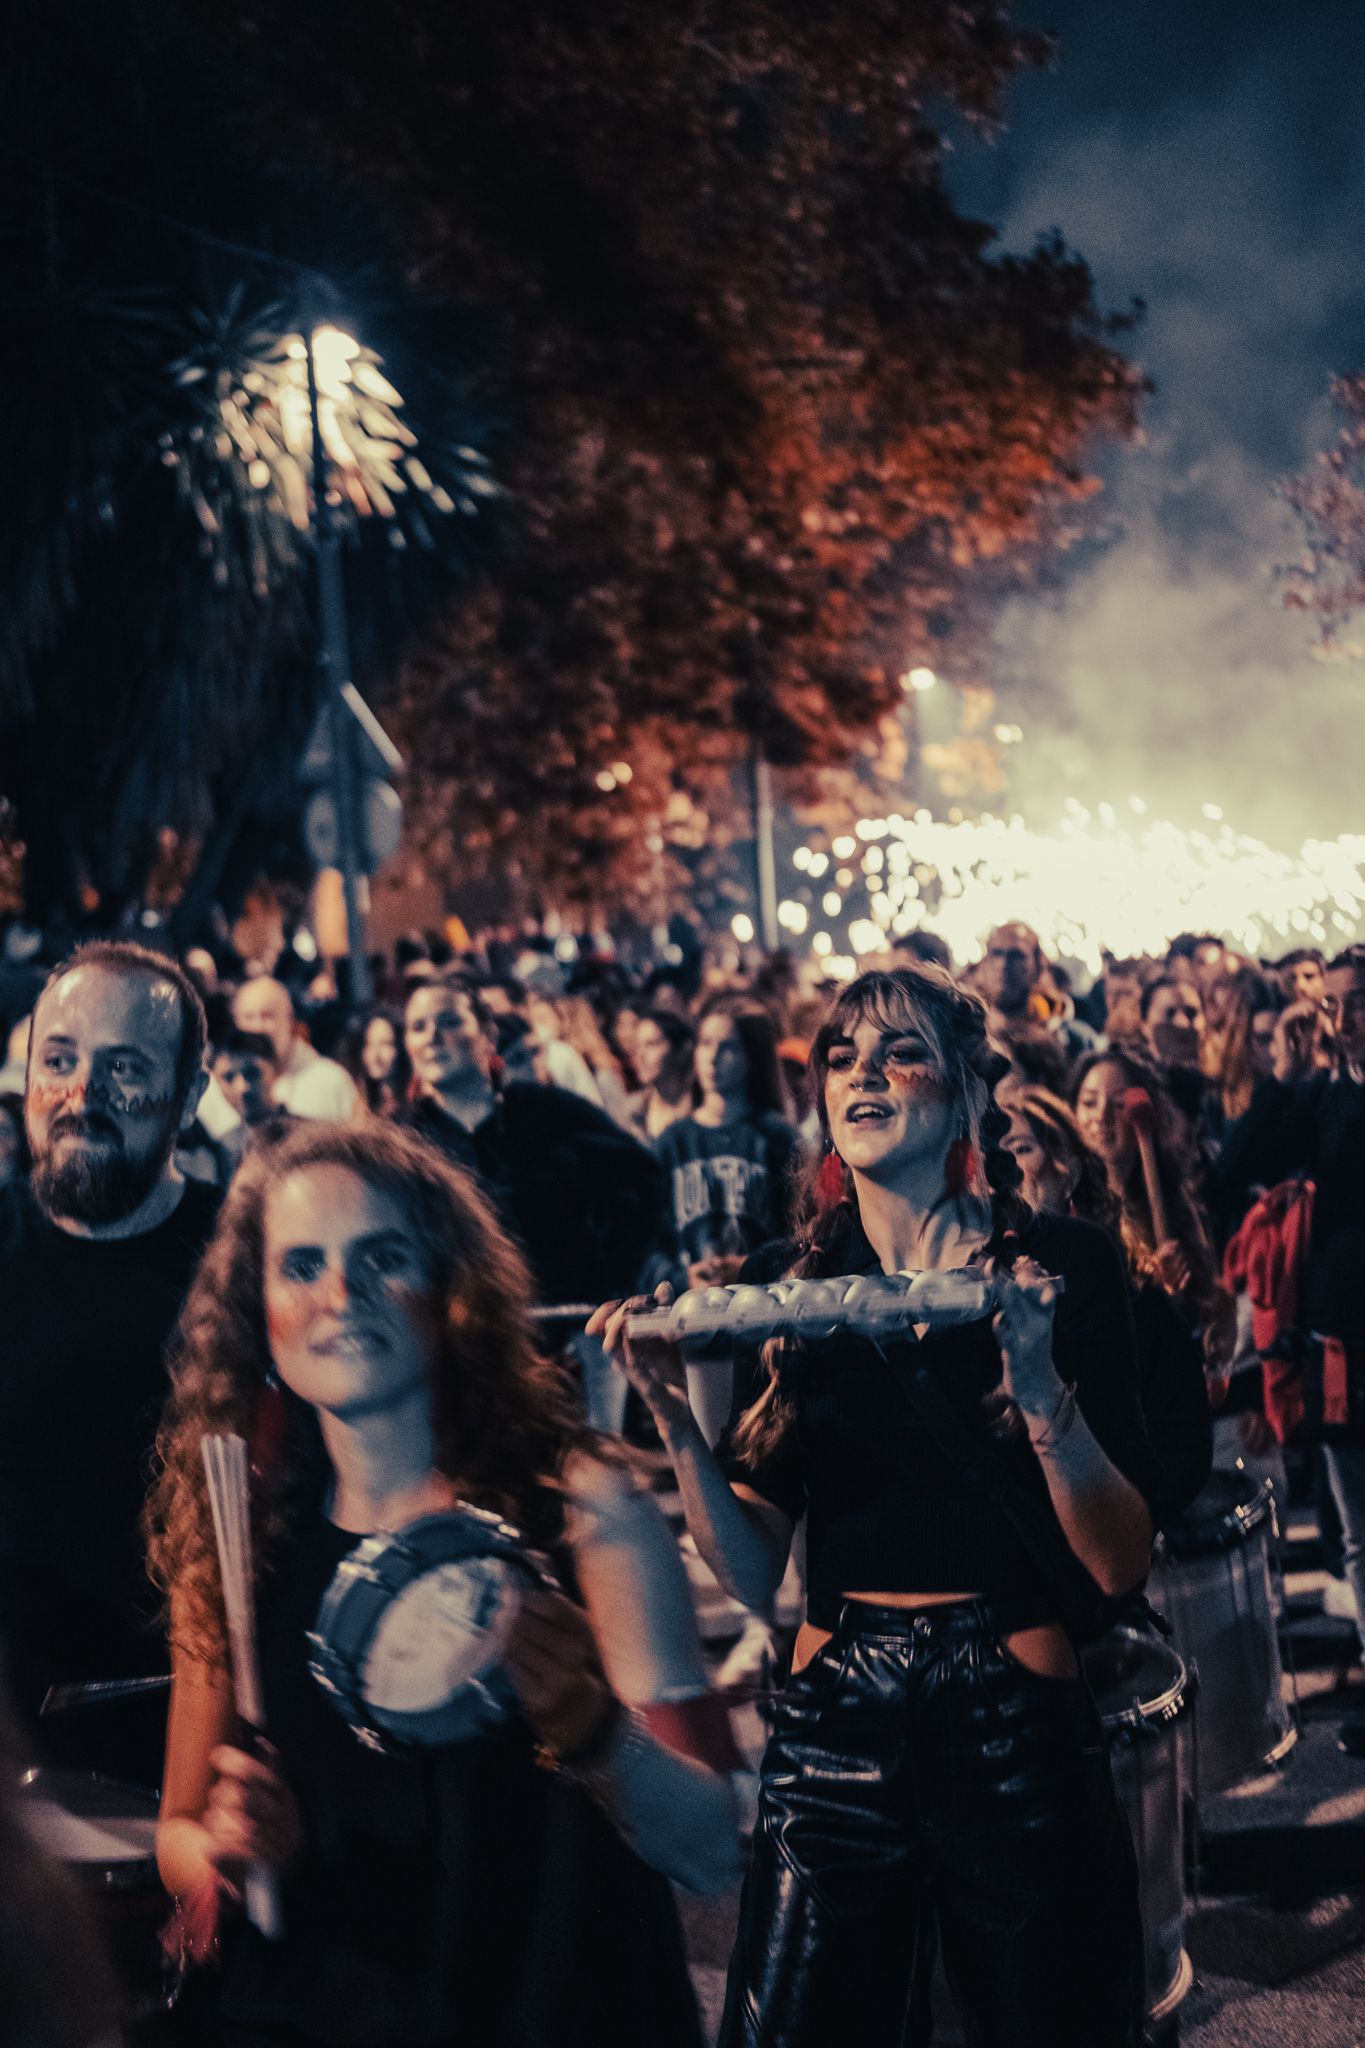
{"points": [[100, 1828], [1138, 1681], [444, 1630], [411, 1632]]}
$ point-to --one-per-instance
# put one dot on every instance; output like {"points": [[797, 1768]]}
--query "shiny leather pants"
{"points": [[919, 1780]]}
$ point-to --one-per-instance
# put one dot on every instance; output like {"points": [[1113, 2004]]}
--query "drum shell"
{"points": [[125, 1900], [1143, 1694], [1213, 1583]]}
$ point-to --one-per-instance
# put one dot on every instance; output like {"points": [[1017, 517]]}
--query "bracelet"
{"points": [[1048, 1438], [623, 1741]]}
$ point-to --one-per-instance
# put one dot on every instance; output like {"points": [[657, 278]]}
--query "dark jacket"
{"points": [[584, 1200]]}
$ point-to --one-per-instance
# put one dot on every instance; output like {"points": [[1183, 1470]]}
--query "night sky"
{"points": [[1207, 156]]}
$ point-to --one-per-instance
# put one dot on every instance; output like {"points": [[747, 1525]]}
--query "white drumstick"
{"points": [[225, 1463]]}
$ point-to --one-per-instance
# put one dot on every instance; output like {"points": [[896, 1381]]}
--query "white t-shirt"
{"points": [[316, 1087]]}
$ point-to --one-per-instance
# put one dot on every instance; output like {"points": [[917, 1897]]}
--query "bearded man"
{"points": [[96, 1256]]}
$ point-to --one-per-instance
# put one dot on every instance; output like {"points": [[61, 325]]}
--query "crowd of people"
{"points": [[399, 1252]]}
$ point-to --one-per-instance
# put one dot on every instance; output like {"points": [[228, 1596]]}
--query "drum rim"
{"points": [[431, 1542], [1151, 1716], [1234, 1527], [98, 1874]]}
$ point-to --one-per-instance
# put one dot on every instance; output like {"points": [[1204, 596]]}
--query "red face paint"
{"points": [[917, 1082], [44, 1097]]}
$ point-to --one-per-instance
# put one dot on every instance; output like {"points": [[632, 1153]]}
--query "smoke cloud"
{"points": [[1218, 179]]}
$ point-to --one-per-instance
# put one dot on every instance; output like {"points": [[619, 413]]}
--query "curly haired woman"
{"points": [[937, 1759], [359, 1301]]}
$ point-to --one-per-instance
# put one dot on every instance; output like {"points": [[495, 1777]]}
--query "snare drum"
{"points": [[409, 1636], [1143, 1694], [104, 1834], [1213, 1582]]}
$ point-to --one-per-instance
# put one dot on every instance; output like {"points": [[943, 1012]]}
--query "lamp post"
{"points": [[334, 675]]}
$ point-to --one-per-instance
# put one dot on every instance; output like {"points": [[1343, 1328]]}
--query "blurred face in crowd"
{"points": [[1344, 1003], [1307, 981], [887, 1100], [1099, 1112], [1208, 964], [544, 1020], [103, 1102], [350, 1310], [626, 1030], [1010, 969], [651, 1052], [722, 1065], [247, 1081], [1261, 1043], [445, 1040], [263, 1005], [1174, 1027], [380, 1050], [202, 965], [1048, 1181]]}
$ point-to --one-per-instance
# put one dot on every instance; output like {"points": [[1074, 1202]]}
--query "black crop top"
{"points": [[887, 1515]]}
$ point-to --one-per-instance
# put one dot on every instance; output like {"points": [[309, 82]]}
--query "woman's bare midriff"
{"points": [[1046, 1650]]}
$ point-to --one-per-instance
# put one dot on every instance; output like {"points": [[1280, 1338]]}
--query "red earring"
{"points": [[265, 1438], [959, 1167], [830, 1182]]}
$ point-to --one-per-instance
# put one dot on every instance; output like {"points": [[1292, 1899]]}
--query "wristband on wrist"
{"points": [[1053, 1432]]}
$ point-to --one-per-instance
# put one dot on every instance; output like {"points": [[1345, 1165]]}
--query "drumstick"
{"points": [[226, 1466], [1141, 1115]]}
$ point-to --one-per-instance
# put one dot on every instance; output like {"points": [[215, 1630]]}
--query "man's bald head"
{"points": [[265, 1005]]}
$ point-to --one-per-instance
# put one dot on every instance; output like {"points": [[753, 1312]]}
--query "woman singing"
{"points": [[360, 1304], [937, 1758]]}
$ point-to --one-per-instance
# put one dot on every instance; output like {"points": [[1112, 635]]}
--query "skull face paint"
{"points": [[102, 1106]]}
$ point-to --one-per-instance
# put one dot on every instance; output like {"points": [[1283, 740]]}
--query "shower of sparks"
{"points": [[1093, 884]]}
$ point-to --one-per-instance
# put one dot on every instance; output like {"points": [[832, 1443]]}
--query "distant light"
{"points": [[793, 917], [831, 903], [919, 679], [844, 878], [865, 936], [334, 350], [742, 925], [623, 771], [606, 781], [566, 947], [305, 945], [1136, 805], [845, 847], [1009, 735], [673, 955], [817, 864], [822, 944], [874, 860], [802, 858], [1214, 811], [840, 967]]}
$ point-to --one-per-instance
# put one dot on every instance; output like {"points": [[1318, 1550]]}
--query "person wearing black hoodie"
{"points": [[582, 1197]]}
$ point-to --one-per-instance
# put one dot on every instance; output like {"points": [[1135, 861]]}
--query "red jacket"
{"points": [[1264, 1261]]}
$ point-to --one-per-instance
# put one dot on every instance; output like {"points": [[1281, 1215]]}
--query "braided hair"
{"points": [[953, 1023]]}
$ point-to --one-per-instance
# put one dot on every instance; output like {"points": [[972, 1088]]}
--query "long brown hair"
{"points": [[1177, 1176], [954, 1024], [1054, 1125], [503, 1417]]}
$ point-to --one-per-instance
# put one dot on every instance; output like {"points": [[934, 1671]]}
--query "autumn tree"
{"points": [[777, 416], [1328, 581]]}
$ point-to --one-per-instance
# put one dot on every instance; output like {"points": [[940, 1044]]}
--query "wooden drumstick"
{"points": [[1141, 1115]]}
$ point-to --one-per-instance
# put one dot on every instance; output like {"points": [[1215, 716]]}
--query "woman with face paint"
{"points": [[937, 1760], [360, 1319]]}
